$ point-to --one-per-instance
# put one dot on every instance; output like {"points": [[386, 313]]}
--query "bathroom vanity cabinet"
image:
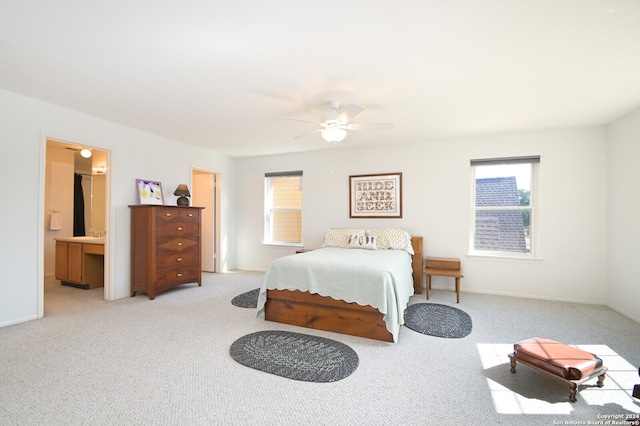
{"points": [[80, 262]]}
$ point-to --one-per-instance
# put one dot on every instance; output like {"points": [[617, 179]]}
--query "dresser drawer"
{"points": [[178, 229], [172, 245], [177, 215], [443, 263], [180, 275], [177, 260]]}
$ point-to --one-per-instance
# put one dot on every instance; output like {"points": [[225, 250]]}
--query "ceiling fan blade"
{"points": [[307, 134], [370, 126], [303, 120], [348, 114]]}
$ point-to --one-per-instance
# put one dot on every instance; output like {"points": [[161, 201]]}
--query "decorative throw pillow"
{"points": [[338, 237], [392, 238], [367, 242]]}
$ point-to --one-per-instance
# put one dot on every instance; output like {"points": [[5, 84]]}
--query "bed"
{"points": [[359, 288]]}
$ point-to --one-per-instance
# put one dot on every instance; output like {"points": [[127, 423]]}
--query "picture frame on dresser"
{"points": [[149, 192], [375, 196]]}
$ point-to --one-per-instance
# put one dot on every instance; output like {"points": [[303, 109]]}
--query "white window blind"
{"points": [[283, 208]]}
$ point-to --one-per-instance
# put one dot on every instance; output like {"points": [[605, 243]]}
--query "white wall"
{"points": [[437, 199], [436, 187], [623, 290], [24, 123]]}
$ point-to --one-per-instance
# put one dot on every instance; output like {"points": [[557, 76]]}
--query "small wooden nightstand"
{"points": [[445, 267]]}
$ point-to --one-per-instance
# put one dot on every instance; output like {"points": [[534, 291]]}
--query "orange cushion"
{"points": [[557, 358]]}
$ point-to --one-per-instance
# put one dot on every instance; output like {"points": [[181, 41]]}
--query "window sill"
{"points": [[284, 245], [504, 257]]}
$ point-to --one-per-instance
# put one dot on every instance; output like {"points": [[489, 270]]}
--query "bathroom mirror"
{"points": [[93, 172]]}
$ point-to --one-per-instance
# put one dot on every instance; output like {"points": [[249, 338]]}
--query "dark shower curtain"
{"points": [[78, 207]]}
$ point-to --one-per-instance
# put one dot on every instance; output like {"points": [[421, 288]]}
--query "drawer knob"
{"points": [[178, 275], [179, 259], [167, 214], [442, 263], [179, 244], [190, 215], [179, 228]]}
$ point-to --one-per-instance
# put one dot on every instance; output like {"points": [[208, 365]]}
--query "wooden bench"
{"points": [[567, 363]]}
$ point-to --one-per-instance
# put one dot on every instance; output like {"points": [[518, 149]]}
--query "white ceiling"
{"points": [[221, 74]]}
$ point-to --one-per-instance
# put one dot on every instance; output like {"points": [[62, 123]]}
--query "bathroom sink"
{"points": [[87, 239]]}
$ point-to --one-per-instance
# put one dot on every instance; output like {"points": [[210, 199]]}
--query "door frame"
{"points": [[109, 289]]}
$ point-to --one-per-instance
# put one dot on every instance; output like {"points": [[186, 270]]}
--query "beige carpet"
{"points": [[166, 362]]}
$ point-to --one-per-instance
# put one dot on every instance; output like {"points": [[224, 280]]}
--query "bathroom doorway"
{"points": [[205, 188], [70, 171]]}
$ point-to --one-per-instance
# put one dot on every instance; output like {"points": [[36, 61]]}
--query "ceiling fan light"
{"points": [[333, 134]]}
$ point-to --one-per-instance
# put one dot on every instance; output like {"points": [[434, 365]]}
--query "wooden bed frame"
{"points": [[304, 309]]}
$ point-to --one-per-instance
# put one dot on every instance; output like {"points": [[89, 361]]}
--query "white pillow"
{"points": [[367, 242], [392, 238], [338, 237]]}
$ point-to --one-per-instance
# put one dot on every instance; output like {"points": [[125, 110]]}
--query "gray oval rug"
{"points": [[247, 300], [438, 320], [295, 356]]}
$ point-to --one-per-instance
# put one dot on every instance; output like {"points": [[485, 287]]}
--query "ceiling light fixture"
{"points": [[86, 153], [333, 133]]}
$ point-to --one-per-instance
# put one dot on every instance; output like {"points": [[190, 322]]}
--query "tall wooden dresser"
{"points": [[165, 247]]}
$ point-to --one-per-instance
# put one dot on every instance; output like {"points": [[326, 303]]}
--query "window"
{"points": [[504, 208], [283, 208]]}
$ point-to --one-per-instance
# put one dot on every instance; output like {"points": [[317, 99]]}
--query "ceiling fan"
{"points": [[334, 126]]}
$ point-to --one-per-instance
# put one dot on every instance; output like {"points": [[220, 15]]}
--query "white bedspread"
{"points": [[379, 278]]}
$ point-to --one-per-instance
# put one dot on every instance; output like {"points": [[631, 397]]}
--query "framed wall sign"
{"points": [[149, 192], [375, 196]]}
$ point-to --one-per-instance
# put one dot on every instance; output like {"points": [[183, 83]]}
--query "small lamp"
{"points": [[183, 192]]}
